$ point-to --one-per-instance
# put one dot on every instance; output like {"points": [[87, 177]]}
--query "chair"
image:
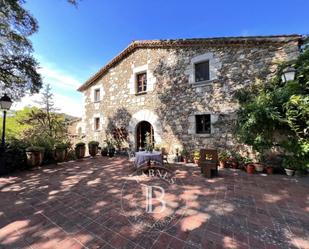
{"points": [[208, 162], [164, 155]]}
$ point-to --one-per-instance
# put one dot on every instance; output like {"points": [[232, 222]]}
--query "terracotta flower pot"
{"points": [[196, 161], [185, 160], [34, 158], [80, 151], [269, 170], [250, 168], [60, 155]]}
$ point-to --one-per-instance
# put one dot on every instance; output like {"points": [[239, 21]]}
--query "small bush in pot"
{"points": [[35, 155], [185, 155], [223, 157], [196, 156], [61, 152], [110, 147], [80, 150], [93, 147], [289, 164], [104, 151], [234, 160]]}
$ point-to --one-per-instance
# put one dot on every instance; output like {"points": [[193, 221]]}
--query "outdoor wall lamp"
{"points": [[288, 74], [5, 104]]}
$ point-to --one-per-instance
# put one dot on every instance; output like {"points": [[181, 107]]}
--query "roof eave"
{"points": [[220, 41]]}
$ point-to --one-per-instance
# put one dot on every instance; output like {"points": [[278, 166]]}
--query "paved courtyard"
{"points": [[100, 203]]}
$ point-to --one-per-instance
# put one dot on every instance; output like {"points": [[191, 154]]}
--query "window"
{"points": [[141, 79], [96, 95], [202, 71], [97, 124], [203, 125]]}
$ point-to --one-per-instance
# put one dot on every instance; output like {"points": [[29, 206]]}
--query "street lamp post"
{"points": [[5, 104], [288, 74]]}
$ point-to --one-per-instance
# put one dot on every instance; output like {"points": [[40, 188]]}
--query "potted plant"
{"points": [[223, 157], [249, 166], [93, 147], [110, 147], [104, 151], [264, 159], [234, 160], [148, 142], [61, 152], [196, 156], [80, 150], [289, 165], [258, 167], [185, 155], [35, 155]]}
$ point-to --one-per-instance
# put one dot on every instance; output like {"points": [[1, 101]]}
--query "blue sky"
{"points": [[73, 43]]}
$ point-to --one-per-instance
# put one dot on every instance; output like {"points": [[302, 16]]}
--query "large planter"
{"points": [[60, 155], [259, 167], [289, 172], [35, 157], [80, 151], [250, 168], [93, 150]]}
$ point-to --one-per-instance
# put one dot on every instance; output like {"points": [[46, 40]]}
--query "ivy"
{"points": [[275, 113]]}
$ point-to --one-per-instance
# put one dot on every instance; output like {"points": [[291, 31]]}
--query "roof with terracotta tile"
{"points": [[211, 42]]}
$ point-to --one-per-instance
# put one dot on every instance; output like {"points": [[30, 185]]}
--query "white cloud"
{"points": [[57, 78], [63, 85]]}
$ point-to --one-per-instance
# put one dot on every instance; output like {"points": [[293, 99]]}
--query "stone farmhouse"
{"points": [[180, 91]]}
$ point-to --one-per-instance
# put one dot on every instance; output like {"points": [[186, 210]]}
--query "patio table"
{"points": [[143, 157]]}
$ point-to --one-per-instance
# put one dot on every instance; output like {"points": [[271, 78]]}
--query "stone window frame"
{"points": [[95, 90], [192, 124], [95, 127], [151, 80], [214, 66]]}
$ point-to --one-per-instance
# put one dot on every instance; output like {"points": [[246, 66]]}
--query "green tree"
{"points": [[276, 113], [15, 126], [18, 68]]}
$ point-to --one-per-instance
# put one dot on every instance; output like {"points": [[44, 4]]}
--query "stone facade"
{"points": [[173, 98]]}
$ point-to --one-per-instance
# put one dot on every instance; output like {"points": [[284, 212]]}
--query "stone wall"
{"points": [[173, 99]]}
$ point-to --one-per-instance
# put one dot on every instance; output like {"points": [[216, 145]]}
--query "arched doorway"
{"points": [[141, 130]]}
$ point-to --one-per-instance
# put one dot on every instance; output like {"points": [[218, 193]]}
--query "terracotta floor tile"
{"points": [[80, 203]]}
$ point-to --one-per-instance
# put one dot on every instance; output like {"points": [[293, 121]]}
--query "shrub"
{"points": [[61, 146], [223, 155], [93, 143], [196, 155], [35, 149], [14, 157], [79, 144]]}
